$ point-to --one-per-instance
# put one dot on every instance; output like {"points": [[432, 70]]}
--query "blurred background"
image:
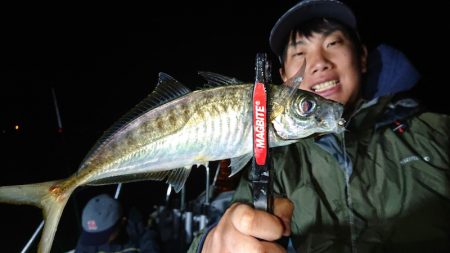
{"points": [[68, 72]]}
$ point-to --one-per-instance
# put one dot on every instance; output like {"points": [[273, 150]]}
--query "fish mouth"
{"points": [[320, 87], [339, 126]]}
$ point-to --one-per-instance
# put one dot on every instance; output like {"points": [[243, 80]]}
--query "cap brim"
{"points": [[305, 11], [98, 238]]}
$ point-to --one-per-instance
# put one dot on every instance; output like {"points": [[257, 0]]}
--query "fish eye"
{"points": [[306, 106]]}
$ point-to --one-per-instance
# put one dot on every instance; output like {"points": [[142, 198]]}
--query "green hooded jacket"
{"points": [[386, 190]]}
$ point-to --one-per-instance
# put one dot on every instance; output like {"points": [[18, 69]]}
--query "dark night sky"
{"points": [[102, 61]]}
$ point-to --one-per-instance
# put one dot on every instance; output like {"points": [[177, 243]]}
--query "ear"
{"points": [[363, 59], [282, 74]]}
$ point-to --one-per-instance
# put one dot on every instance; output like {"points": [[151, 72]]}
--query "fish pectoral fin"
{"points": [[237, 163], [177, 178]]}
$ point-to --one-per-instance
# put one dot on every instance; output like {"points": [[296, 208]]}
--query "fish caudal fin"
{"points": [[48, 196]]}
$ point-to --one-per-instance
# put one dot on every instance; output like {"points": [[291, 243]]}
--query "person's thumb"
{"points": [[283, 208]]}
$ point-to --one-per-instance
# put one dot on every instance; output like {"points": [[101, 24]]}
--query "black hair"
{"points": [[324, 26]]}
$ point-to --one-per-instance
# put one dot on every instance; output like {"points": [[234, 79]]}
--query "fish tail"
{"points": [[50, 196]]}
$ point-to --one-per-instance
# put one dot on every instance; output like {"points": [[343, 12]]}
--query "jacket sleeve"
{"points": [[197, 243]]}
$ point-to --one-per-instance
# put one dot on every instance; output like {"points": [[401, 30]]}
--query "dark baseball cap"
{"points": [[304, 11], [99, 219]]}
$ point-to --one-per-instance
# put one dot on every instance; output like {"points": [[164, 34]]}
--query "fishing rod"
{"points": [[33, 237], [60, 131]]}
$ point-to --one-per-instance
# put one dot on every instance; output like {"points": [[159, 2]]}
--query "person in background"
{"points": [[382, 186], [106, 229]]}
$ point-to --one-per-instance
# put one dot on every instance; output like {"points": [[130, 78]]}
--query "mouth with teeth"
{"points": [[321, 87]]}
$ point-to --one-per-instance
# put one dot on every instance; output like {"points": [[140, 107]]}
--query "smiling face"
{"points": [[333, 66]]}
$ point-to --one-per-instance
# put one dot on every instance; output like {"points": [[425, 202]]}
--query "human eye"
{"points": [[334, 42], [298, 53], [334, 39]]}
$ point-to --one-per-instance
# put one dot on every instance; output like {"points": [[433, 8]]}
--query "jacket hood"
{"points": [[389, 72]]}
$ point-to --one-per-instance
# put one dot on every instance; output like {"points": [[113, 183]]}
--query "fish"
{"points": [[174, 128]]}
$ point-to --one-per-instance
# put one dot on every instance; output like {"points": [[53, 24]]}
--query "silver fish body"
{"points": [[173, 129], [205, 125]]}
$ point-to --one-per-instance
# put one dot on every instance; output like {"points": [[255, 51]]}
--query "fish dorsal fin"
{"points": [[166, 90], [214, 79]]}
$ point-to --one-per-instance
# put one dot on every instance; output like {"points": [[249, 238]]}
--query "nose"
{"points": [[319, 62]]}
